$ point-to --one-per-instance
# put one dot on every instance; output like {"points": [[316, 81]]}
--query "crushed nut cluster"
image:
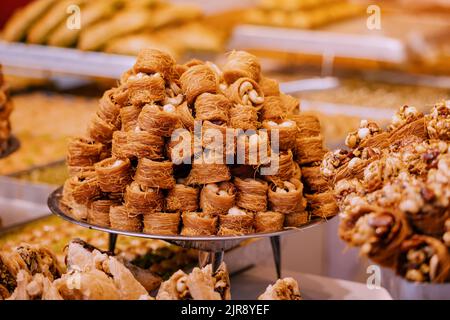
{"points": [[408, 174]]}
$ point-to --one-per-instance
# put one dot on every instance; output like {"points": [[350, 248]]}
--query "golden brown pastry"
{"points": [[125, 22], [175, 14], [295, 220], [236, 222], [204, 172], [212, 107], [198, 224], [424, 259], [251, 194], [200, 284], [309, 150], [283, 289], [40, 32], [113, 174], [132, 44], [91, 13], [193, 36], [141, 89], [153, 61], [217, 198], [10, 265], [137, 144], [322, 204], [161, 121], [287, 199], [268, 221], [245, 92], [18, 25], [142, 200], [273, 108], [154, 174], [241, 64], [308, 125], [269, 87], [83, 152], [285, 130], [244, 117], [129, 117], [161, 223], [379, 232], [313, 179], [85, 186], [197, 80], [98, 212], [120, 219], [182, 198], [100, 130]]}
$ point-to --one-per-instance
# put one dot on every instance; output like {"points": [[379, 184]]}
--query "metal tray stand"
{"points": [[211, 248]]}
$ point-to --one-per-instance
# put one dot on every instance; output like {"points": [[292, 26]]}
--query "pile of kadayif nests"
{"points": [[6, 108], [393, 189], [124, 175]]}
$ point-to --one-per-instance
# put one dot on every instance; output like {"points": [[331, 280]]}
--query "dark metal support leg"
{"points": [[276, 250], [112, 242], [207, 257]]}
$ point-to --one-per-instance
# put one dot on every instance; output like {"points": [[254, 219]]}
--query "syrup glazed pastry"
{"points": [[83, 152], [236, 222], [395, 196], [251, 194], [199, 224], [182, 198], [217, 198], [121, 219], [140, 199], [200, 284], [424, 259], [98, 212], [33, 273], [378, 232], [27, 259], [137, 144], [287, 199], [269, 221], [273, 107], [283, 289], [113, 174], [287, 132], [131, 172], [164, 223]]}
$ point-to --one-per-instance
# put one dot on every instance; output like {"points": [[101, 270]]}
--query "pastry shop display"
{"points": [[99, 275], [391, 187], [117, 26], [302, 14], [6, 108], [160, 257], [141, 154]]}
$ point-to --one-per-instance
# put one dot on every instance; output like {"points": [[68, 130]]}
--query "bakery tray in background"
{"points": [[54, 174], [43, 122]]}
